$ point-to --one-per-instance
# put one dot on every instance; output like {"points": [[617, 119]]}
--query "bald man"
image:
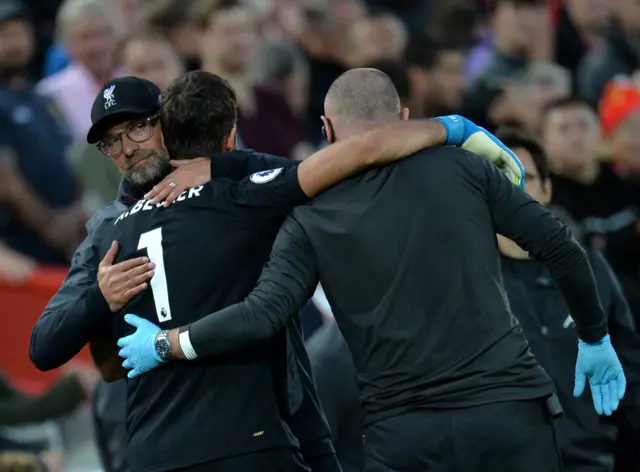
{"points": [[407, 256]]}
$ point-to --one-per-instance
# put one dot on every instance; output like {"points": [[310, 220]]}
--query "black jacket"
{"points": [[589, 441], [65, 326]]}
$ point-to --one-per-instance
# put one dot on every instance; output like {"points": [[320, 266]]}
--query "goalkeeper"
{"points": [[407, 256]]}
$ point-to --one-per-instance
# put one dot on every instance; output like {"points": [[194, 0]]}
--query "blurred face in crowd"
{"points": [[448, 79], [137, 149], [546, 90], [628, 12], [92, 42], [345, 12], [132, 12], [589, 15], [374, 39], [625, 142], [534, 185], [539, 94], [153, 60], [185, 40], [515, 26], [16, 44], [571, 136], [230, 38]]}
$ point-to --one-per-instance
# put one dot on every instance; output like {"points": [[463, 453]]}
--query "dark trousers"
{"points": [[499, 437], [273, 460]]}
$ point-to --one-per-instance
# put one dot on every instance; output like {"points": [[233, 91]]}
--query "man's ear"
{"points": [[404, 114], [328, 130], [230, 143]]}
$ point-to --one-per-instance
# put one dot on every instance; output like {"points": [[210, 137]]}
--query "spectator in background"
{"points": [[588, 441], [228, 37], [282, 66], [527, 96], [380, 36], [173, 20], [411, 12], [322, 34], [146, 55], [456, 21], [417, 56], [89, 30], [604, 205], [151, 56], [57, 57], [436, 73], [620, 118], [620, 54], [580, 29], [40, 212], [132, 11], [522, 34], [446, 82]]}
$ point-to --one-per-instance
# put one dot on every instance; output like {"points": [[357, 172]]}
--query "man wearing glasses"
{"points": [[127, 110], [125, 123]]}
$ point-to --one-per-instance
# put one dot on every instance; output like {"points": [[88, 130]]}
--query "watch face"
{"points": [[162, 347]]}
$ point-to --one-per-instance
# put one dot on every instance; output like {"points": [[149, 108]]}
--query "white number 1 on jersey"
{"points": [[152, 242]]}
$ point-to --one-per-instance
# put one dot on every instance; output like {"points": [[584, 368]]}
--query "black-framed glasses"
{"points": [[137, 131]]}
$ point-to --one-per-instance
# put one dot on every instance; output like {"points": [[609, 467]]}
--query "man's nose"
{"points": [[129, 147]]}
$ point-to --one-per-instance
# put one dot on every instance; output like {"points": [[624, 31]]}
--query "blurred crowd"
{"points": [[567, 72]]}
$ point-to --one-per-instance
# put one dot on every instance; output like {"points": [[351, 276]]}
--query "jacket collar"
{"points": [[128, 193]]}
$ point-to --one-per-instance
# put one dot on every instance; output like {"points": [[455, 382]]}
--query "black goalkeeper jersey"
{"points": [[208, 247]]}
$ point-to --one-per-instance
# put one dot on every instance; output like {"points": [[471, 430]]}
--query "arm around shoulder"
{"points": [[286, 283], [381, 145]]}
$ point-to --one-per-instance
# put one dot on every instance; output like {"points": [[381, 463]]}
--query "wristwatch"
{"points": [[162, 345]]}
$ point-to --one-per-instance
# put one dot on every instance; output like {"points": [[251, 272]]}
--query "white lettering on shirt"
{"points": [[145, 205]]}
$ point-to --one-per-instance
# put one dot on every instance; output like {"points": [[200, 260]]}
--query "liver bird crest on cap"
{"points": [[109, 97]]}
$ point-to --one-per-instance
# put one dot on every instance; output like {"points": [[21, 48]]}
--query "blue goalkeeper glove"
{"points": [[139, 349], [471, 137], [599, 363]]}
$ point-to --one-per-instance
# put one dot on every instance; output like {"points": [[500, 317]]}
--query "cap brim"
{"points": [[99, 127]]}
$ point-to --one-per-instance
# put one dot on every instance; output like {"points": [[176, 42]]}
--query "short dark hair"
{"points": [[420, 51], [424, 50], [197, 112], [399, 75], [165, 15], [514, 138], [455, 20], [567, 102]]}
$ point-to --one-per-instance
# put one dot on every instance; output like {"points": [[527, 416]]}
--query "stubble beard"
{"points": [[150, 172]]}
